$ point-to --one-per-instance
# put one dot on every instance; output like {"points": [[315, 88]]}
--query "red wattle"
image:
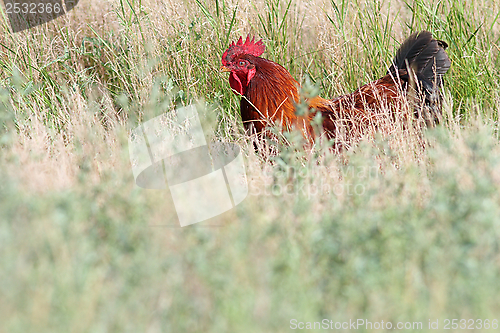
{"points": [[235, 83]]}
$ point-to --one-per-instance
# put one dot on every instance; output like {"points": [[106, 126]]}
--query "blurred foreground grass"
{"points": [[389, 231]]}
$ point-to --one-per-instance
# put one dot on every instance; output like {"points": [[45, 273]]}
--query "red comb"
{"points": [[249, 47]]}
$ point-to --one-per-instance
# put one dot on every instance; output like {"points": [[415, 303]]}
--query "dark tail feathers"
{"points": [[429, 62]]}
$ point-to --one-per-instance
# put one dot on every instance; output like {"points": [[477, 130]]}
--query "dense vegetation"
{"points": [[403, 228]]}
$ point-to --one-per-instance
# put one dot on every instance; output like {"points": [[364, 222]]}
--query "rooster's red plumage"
{"points": [[270, 94]]}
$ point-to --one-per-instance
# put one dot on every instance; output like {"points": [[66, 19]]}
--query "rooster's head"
{"points": [[239, 60]]}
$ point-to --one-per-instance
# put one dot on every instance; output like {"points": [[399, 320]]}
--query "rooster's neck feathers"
{"points": [[270, 96]]}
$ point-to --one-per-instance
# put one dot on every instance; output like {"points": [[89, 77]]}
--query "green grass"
{"points": [[389, 231]]}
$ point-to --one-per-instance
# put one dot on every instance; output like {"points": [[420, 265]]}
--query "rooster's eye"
{"points": [[241, 63]]}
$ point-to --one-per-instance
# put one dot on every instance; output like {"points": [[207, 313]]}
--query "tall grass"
{"points": [[402, 228]]}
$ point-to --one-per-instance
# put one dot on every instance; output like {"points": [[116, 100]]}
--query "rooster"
{"points": [[270, 95]]}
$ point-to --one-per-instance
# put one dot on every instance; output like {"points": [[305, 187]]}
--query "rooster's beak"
{"points": [[224, 69]]}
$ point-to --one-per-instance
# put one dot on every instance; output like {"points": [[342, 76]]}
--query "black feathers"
{"points": [[422, 51], [428, 60]]}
